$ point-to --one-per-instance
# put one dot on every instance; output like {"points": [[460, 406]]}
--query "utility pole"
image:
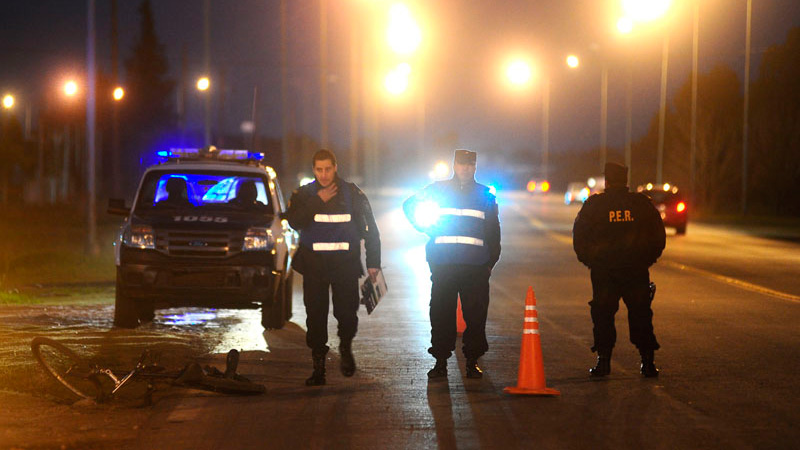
{"points": [[745, 128], [115, 151], [90, 130]]}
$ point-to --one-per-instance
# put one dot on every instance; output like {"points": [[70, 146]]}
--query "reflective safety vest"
{"points": [[333, 231], [460, 231]]}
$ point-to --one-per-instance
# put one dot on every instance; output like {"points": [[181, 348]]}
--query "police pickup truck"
{"points": [[205, 229]]}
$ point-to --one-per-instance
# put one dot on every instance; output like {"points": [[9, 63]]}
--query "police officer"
{"points": [[463, 247], [619, 235], [332, 216]]}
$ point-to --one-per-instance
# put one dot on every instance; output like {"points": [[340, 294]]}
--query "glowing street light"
{"points": [[625, 25], [396, 81], [645, 10], [8, 101], [119, 93], [203, 84], [573, 62], [519, 72], [70, 88], [403, 33]]}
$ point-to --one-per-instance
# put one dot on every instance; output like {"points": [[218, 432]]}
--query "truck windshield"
{"points": [[206, 190]]}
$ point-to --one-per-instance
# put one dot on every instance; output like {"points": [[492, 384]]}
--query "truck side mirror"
{"points": [[117, 207]]}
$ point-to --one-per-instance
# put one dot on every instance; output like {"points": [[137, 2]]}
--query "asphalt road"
{"points": [[726, 315]]}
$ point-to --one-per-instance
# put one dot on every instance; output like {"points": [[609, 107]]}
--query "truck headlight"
{"points": [[141, 236], [258, 239]]}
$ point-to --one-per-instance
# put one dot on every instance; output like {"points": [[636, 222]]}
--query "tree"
{"points": [[775, 138], [12, 154], [719, 137], [147, 110]]}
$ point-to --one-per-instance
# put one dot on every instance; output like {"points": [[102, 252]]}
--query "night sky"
{"points": [[465, 44]]}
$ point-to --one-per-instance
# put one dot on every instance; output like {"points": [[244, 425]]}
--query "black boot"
{"points": [[473, 371], [317, 378], [348, 363], [648, 365], [603, 366], [439, 370]]}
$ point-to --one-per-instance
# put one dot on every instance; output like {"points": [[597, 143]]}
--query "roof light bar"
{"points": [[210, 153]]}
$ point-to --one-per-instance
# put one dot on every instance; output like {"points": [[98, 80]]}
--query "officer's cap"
{"points": [[616, 173], [462, 156]]}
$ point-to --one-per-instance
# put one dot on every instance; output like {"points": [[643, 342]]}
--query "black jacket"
{"points": [[617, 229], [305, 203]]}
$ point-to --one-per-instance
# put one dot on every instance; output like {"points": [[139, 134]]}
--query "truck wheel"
{"points": [[680, 229], [145, 310], [272, 309], [125, 315]]}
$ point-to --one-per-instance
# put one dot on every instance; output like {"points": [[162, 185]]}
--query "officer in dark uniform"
{"points": [[460, 217], [332, 216], [619, 235]]}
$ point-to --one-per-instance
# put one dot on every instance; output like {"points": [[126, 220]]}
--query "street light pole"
{"points": [[745, 128], [604, 114], [545, 126], [90, 131], [693, 130], [207, 66], [662, 110]]}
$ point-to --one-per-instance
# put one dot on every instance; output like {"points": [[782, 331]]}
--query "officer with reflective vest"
{"points": [[460, 217], [332, 216], [619, 234]]}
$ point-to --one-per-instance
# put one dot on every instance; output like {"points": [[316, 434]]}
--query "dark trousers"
{"points": [[449, 282], [317, 301], [633, 285]]}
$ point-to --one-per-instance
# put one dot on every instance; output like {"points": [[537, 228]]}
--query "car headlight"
{"points": [[258, 239], [141, 236]]}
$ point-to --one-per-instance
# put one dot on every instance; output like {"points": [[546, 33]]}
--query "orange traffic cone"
{"points": [[530, 380], [460, 324]]}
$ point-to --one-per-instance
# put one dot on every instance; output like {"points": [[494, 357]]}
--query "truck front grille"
{"points": [[199, 244]]}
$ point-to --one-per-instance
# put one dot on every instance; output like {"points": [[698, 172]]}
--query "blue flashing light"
{"points": [[211, 153]]}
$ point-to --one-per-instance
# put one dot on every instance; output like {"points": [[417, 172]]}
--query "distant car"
{"points": [[671, 203], [538, 186], [576, 192]]}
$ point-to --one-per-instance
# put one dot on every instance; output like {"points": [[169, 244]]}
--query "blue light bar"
{"points": [[210, 153]]}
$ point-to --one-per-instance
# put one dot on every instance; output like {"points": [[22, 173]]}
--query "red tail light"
{"points": [[681, 207]]}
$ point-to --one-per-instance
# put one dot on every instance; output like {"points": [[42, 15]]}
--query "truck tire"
{"points": [[125, 314], [272, 309], [145, 310]]}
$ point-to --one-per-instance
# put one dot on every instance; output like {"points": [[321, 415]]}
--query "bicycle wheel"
{"points": [[67, 367]]}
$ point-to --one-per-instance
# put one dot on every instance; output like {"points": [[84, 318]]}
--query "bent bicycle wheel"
{"points": [[67, 367]]}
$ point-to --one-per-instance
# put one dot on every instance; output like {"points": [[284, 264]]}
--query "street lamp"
{"points": [[70, 88], [573, 62], [8, 101], [203, 85], [647, 11], [118, 93], [396, 81], [519, 73], [403, 33]]}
